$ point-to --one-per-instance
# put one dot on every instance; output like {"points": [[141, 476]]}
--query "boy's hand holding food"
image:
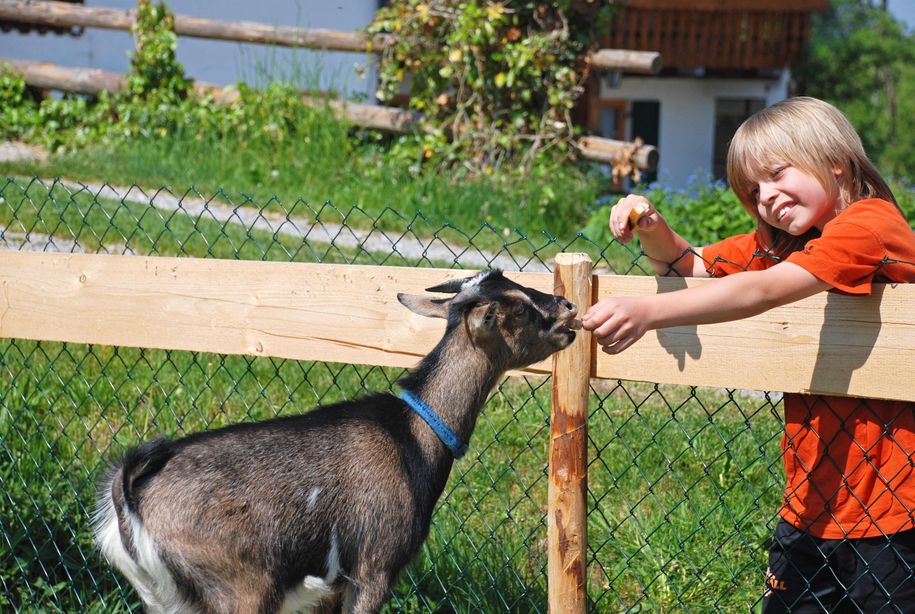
{"points": [[630, 213]]}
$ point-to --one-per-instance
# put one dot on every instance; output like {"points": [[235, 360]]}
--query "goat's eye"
{"points": [[518, 309]]}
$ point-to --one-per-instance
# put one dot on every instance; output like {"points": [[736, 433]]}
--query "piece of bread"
{"points": [[636, 213]]}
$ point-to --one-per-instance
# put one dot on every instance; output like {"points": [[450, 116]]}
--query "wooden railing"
{"points": [[828, 344], [60, 14]]}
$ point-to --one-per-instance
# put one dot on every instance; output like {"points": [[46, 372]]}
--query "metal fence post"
{"points": [[567, 535]]}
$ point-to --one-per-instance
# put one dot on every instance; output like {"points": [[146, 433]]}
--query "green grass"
{"points": [[325, 161], [38, 209]]}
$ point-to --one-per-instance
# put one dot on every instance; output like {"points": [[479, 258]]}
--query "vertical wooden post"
{"points": [[567, 536]]}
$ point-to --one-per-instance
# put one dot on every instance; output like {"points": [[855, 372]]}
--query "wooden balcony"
{"points": [[716, 35]]}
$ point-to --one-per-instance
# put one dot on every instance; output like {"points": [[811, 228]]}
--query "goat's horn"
{"points": [[456, 285], [453, 286]]}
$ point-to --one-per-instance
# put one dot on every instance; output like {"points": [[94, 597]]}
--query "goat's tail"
{"points": [[118, 526]]}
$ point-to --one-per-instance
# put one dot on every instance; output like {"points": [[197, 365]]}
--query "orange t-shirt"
{"points": [[849, 463]]}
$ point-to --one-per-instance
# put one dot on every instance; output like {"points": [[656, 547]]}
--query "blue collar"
{"points": [[452, 442]]}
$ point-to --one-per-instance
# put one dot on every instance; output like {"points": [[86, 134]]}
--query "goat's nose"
{"points": [[568, 304]]}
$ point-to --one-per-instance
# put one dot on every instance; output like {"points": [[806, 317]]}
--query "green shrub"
{"points": [[904, 191], [496, 81]]}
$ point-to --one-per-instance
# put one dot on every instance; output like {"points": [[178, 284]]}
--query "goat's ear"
{"points": [[482, 318], [425, 306]]}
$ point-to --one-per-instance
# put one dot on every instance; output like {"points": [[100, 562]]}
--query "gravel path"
{"points": [[375, 240]]}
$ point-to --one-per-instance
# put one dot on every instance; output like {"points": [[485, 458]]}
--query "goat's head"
{"points": [[514, 324]]}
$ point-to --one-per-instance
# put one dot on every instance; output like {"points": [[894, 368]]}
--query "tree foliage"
{"points": [[496, 81], [862, 60]]}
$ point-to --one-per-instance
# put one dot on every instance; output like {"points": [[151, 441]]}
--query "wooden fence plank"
{"points": [[62, 14], [301, 311], [826, 344], [829, 344], [637, 62]]}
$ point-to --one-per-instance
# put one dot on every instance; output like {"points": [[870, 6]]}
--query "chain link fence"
{"points": [[684, 482]]}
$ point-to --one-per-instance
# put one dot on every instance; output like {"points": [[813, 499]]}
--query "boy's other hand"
{"points": [[622, 227]]}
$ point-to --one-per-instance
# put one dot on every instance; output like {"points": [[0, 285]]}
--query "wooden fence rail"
{"points": [[62, 14], [825, 344], [92, 82], [828, 344]]}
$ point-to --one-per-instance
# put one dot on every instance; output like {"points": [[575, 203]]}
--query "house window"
{"points": [[646, 125], [729, 114]]}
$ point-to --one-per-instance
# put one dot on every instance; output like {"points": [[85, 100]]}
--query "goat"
{"points": [[290, 513]]}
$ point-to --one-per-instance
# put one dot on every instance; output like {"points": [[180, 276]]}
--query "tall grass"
{"points": [[324, 160]]}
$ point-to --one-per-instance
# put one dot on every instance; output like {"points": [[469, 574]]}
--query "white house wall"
{"points": [[222, 62], [687, 116]]}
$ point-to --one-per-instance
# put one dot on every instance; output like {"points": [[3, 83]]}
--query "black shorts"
{"points": [[870, 574]]}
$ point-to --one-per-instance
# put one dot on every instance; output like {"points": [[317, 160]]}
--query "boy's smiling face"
{"points": [[789, 199]]}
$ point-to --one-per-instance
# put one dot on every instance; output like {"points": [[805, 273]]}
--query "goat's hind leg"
{"points": [[242, 592], [368, 593]]}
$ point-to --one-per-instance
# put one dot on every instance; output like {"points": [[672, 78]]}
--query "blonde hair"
{"points": [[812, 136]]}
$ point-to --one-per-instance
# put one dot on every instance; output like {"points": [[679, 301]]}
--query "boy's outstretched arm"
{"points": [[618, 322]]}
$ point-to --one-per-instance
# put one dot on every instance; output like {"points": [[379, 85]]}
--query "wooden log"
{"points": [[91, 82], [281, 36], [567, 492], [640, 62], [85, 81], [62, 14], [66, 15], [370, 116], [609, 151]]}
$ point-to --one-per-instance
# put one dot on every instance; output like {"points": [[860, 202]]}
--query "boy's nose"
{"points": [[767, 193]]}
